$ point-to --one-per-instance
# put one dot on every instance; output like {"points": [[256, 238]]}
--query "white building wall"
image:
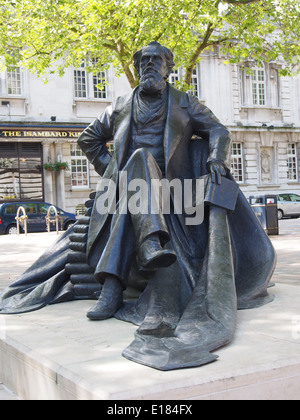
{"points": [[295, 100]]}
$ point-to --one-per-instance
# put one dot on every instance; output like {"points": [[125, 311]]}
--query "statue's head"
{"points": [[154, 63]]}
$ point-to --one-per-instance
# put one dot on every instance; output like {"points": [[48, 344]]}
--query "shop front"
{"points": [[21, 171], [24, 151]]}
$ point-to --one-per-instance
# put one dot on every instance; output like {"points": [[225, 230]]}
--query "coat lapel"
{"points": [[123, 124], [123, 111], [176, 122]]}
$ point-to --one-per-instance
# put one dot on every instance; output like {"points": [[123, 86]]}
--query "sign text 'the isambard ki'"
{"points": [[35, 134]]}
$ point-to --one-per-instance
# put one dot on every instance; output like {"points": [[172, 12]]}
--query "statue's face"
{"points": [[153, 61]]}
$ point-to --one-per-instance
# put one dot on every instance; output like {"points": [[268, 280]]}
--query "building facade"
{"points": [[40, 124]]}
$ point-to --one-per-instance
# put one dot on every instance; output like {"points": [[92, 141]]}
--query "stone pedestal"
{"points": [[57, 353]]}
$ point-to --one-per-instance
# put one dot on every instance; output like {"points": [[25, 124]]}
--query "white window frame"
{"points": [[78, 162], [110, 147], [16, 86], [80, 82], [292, 162], [89, 90], [237, 162], [258, 85], [174, 77], [100, 78], [195, 82], [178, 74]]}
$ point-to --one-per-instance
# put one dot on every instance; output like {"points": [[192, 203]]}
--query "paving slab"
{"points": [[57, 353], [18, 252], [6, 394]]}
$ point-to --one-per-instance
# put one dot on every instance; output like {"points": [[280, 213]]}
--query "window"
{"points": [[174, 77], [30, 208], [10, 209], [110, 147], [79, 168], [99, 85], [80, 85], [178, 75], [284, 197], [295, 197], [13, 77], [194, 82], [43, 208], [237, 162], [21, 171], [292, 162], [258, 84], [88, 85]]}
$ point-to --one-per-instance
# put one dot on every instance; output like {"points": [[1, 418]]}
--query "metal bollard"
{"points": [[21, 219], [56, 220]]}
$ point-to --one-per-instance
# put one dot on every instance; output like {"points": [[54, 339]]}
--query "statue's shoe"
{"points": [[105, 307], [152, 256]]}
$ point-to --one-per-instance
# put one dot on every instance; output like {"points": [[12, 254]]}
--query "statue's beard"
{"points": [[152, 83]]}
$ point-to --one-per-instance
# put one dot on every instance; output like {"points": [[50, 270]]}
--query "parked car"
{"points": [[288, 205], [36, 212]]}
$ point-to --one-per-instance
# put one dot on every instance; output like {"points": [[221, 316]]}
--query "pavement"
{"points": [[17, 253], [56, 350]]}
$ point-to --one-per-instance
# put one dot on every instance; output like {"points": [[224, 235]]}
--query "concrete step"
{"points": [[56, 353]]}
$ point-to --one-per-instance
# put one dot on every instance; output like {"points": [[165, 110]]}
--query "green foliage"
{"points": [[49, 36], [56, 166]]}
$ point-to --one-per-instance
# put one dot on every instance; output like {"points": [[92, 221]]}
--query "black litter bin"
{"points": [[265, 208]]}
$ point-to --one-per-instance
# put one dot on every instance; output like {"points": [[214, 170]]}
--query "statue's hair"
{"points": [[164, 50]]}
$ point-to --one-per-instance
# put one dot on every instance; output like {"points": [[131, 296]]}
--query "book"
{"points": [[224, 195]]}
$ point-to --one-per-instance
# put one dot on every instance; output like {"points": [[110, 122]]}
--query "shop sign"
{"points": [[43, 134]]}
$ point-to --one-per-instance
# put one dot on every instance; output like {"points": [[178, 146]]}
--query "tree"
{"points": [[49, 36]]}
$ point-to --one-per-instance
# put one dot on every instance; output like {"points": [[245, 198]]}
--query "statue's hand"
{"points": [[217, 169]]}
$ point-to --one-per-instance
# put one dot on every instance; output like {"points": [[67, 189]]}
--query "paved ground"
{"points": [[17, 253], [6, 394], [287, 245]]}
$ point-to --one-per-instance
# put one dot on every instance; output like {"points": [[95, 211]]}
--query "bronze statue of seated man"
{"points": [[191, 277]]}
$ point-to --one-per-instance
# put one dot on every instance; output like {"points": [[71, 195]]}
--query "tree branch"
{"points": [[110, 47], [199, 49], [217, 42], [241, 2], [126, 65]]}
